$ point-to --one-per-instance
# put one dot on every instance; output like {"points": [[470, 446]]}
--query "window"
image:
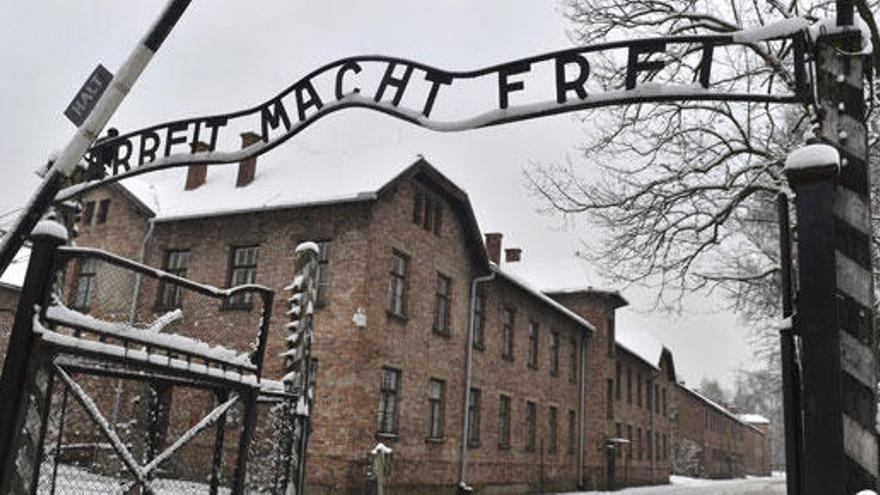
{"points": [[657, 445], [85, 283], [103, 211], [649, 451], [436, 392], [507, 321], [629, 383], [639, 444], [618, 428], [552, 426], [609, 399], [531, 421], [503, 422], [573, 360], [170, 294], [617, 391], [244, 271], [611, 338], [397, 285], [88, 213], [533, 345], [649, 395], [665, 446], [479, 320], [554, 353], [441, 306], [572, 431], [639, 390], [629, 436], [664, 402], [473, 439], [389, 396], [427, 211], [657, 399], [323, 262]]}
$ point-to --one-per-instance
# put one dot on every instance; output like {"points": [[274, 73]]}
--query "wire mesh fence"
{"points": [[269, 461]]}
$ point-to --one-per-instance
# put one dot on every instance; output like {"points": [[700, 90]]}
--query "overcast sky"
{"points": [[229, 55]]}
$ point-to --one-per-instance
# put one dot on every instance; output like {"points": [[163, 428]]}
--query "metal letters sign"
{"points": [[87, 96], [446, 101]]}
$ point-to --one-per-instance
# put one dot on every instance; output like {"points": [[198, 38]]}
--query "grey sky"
{"points": [[225, 56]]}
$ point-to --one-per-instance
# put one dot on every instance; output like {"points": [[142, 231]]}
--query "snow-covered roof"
{"points": [[754, 419], [295, 178], [641, 344], [718, 407], [589, 289], [523, 284]]}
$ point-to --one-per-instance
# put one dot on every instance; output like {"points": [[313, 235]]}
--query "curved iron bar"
{"points": [[674, 92]]}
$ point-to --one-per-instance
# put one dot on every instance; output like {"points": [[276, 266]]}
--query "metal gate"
{"points": [[140, 381]]}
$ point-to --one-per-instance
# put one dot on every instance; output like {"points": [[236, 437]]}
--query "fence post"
{"points": [[46, 238], [791, 381], [812, 171]]}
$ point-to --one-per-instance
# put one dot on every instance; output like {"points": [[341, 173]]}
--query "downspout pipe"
{"points": [[653, 430], [582, 387], [468, 368], [132, 312]]}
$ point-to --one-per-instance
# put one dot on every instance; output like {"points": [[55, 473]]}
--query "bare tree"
{"points": [[685, 190]]}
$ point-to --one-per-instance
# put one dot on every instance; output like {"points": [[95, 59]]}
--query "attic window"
{"points": [[103, 211], [88, 213], [427, 211]]}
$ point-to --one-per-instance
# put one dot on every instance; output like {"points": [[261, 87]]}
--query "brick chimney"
{"points": [[197, 173], [493, 247], [512, 255], [247, 169]]}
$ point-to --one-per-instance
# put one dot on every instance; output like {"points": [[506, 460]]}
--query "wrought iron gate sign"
{"points": [[538, 86]]}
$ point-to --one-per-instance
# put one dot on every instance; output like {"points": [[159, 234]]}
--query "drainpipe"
{"points": [[132, 311], [582, 387], [653, 430], [469, 356]]}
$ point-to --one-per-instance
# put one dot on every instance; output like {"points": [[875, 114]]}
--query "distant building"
{"points": [[550, 398]]}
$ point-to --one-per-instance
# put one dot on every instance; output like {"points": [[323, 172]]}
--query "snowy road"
{"points": [[688, 486]]}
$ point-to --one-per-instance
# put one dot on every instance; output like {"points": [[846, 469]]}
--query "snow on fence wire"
{"points": [[150, 379]]}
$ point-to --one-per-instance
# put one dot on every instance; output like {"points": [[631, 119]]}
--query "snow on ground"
{"points": [[680, 485], [80, 481]]}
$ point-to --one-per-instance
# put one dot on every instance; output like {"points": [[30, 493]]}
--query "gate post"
{"points": [[835, 307], [816, 320], [841, 72], [47, 237]]}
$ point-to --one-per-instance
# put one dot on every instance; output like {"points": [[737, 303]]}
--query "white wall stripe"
{"points": [[853, 209], [860, 445], [857, 360], [853, 280]]}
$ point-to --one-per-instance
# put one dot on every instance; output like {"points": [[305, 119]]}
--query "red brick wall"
{"points": [[495, 375], [598, 310], [642, 417], [730, 448]]}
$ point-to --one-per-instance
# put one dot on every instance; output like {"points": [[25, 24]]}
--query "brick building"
{"points": [[757, 445], [717, 443], [406, 284]]}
